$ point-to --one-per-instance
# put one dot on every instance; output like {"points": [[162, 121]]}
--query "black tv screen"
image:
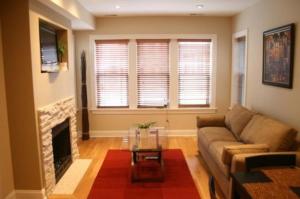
{"points": [[48, 42]]}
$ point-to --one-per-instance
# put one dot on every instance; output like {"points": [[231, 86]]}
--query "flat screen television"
{"points": [[48, 46]]}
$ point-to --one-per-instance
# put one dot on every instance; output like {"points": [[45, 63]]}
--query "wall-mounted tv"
{"points": [[49, 48]]}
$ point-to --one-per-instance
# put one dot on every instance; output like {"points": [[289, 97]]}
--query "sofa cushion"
{"points": [[216, 151], [208, 135], [237, 119], [264, 130]]}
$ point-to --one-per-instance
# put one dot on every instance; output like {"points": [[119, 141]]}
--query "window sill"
{"points": [[147, 111]]}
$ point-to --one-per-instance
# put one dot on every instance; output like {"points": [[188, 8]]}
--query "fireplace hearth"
{"points": [[61, 148]]}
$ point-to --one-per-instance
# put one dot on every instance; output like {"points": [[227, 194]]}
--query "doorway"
{"points": [[239, 69]]}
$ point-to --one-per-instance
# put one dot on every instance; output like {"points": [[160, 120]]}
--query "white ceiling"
{"points": [[166, 7]]}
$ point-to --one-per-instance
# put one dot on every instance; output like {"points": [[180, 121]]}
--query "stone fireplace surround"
{"points": [[50, 116]]}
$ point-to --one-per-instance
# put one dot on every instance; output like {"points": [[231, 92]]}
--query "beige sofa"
{"points": [[225, 141]]}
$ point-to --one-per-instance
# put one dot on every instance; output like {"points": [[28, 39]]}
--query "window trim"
{"points": [[193, 105], [167, 74], [173, 64], [146, 111], [209, 101], [122, 41]]}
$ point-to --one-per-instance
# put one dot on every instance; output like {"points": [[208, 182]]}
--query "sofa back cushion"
{"points": [[264, 130], [237, 119]]}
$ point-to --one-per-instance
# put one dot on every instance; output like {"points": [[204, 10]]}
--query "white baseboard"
{"points": [[122, 133], [111, 133], [27, 194], [182, 133], [12, 195]]}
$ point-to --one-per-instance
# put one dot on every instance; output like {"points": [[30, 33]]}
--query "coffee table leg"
{"points": [[134, 153]]}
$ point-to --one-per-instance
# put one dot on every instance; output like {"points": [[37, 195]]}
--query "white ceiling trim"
{"points": [[166, 7]]}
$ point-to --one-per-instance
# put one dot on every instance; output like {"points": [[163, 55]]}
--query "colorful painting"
{"points": [[278, 56]]}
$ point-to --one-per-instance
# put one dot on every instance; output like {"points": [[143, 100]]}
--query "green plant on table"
{"points": [[61, 51], [146, 125]]}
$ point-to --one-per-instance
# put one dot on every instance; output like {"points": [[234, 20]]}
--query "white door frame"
{"points": [[235, 36]]}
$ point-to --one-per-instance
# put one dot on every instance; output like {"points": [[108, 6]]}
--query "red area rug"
{"points": [[113, 180]]}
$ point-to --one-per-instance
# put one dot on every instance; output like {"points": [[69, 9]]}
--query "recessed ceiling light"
{"points": [[200, 6], [117, 6]]}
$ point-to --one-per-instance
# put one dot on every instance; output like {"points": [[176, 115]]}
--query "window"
{"points": [[195, 69], [153, 72], [111, 70]]}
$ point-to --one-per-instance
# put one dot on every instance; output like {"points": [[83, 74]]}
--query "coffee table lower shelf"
{"points": [[147, 166]]}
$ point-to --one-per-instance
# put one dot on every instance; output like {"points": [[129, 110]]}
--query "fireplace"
{"points": [[60, 113], [61, 148]]}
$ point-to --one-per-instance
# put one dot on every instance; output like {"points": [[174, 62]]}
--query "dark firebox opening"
{"points": [[61, 148]]}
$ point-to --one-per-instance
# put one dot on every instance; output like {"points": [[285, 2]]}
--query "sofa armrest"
{"points": [[230, 151], [210, 120], [238, 161]]}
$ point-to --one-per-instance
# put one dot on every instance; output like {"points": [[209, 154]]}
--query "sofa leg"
{"points": [[232, 192], [212, 189]]}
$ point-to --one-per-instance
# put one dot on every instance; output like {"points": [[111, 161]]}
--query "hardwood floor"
{"points": [[96, 149]]}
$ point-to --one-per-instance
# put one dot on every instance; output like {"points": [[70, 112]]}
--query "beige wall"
{"points": [[27, 88], [221, 26], [6, 173], [278, 102], [50, 87], [19, 92], [112, 122]]}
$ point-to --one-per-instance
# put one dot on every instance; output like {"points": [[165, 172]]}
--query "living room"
{"points": [[98, 76]]}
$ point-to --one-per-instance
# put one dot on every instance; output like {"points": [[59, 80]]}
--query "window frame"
{"points": [[168, 74], [96, 76], [132, 74], [210, 84]]}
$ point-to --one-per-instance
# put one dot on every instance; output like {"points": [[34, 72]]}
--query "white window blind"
{"points": [[195, 68], [111, 70], [153, 72]]}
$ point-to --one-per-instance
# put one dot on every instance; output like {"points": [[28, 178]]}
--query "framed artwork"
{"points": [[278, 56]]}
